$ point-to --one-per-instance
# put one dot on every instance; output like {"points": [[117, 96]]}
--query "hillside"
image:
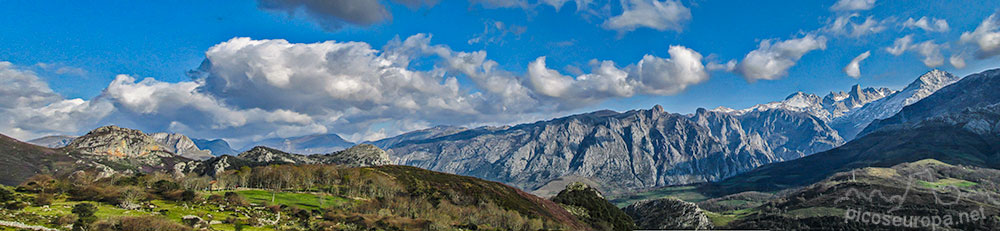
{"points": [[961, 197], [291, 197], [20, 161]]}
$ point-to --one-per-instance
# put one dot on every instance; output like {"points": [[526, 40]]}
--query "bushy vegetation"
{"points": [[283, 197], [596, 211]]}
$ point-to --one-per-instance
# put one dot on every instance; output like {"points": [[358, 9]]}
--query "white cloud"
{"points": [[655, 14], [927, 24], [931, 53], [728, 66], [869, 26], [853, 69], [651, 75], [665, 76], [31, 109], [771, 60], [845, 25], [986, 37], [250, 89], [900, 45], [957, 61], [853, 5]]}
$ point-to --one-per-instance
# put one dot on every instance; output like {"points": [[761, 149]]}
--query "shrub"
{"points": [[16, 205], [188, 195], [85, 213], [43, 199], [216, 199], [6, 195], [64, 219], [165, 186], [236, 199], [149, 223]]}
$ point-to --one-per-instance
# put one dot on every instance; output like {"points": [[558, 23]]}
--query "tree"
{"points": [[85, 212]]}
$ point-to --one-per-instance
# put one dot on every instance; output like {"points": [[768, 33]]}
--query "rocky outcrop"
{"points": [[668, 213], [53, 141], [116, 143], [362, 155], [113, 149], [181, 145]]}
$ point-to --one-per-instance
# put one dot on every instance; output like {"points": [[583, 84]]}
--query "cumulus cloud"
{"points": [[927, 24], [31, 109], [845, 25], [853, 69], [853, 5], [771, 60], [333, 15], [655, 14], [986, 37], [900, 45], [930, 51], [728, 66], [651, 75], [249, 90], [957, 61]]}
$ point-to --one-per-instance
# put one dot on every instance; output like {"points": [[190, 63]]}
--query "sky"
{"points": [[368, 69]]}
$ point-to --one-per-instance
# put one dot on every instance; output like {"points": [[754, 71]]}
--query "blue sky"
{"points": [[79, 49]]}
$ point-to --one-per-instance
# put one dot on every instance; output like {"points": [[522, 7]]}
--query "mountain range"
{"points": [[619, 151], [959, 124]]}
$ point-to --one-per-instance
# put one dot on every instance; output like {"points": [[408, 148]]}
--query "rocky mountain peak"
{"points": [[361, 155], [658, 109], [936, 77], [122, 142], [580, 186], [181, 145], [118, 142], [269, 155]]}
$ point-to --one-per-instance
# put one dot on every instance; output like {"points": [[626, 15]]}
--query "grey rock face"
{"points": [[181, 145], [631, 150], [668, 213], [122, 149], [362, 155], [117, 142], [53, 141]]}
